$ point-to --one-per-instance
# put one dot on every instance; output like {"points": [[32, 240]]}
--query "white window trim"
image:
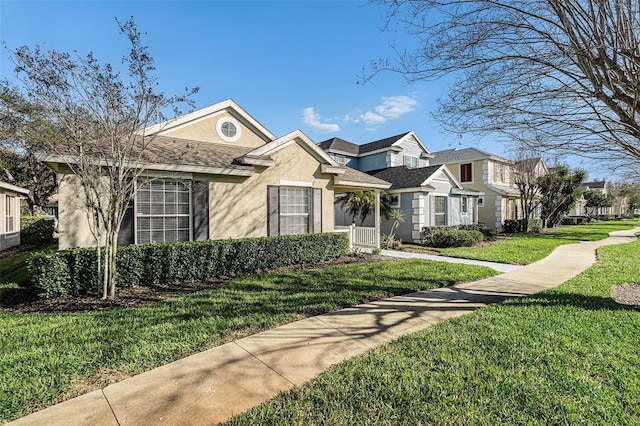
{"points": [[480, 201], [410, 156], [227, 119], [7, 203], [309, 212], [296, 183], [464, 210]]}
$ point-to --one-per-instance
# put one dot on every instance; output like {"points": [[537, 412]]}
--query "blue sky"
{"points": [[291, 65]]}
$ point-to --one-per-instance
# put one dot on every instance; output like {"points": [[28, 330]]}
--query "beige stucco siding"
{"points": [[205, 130], [240, 210], [73, 224]]}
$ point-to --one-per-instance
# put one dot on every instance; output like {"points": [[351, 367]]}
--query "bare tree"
{"points": [[526, 173], [560, 75], [101, 117]]}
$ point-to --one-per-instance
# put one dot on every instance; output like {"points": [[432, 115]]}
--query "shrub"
{"points": [[511, 226], [53, 272], [456, 238], [73, 271], [36, 230], [535, 225], [428, 232]]}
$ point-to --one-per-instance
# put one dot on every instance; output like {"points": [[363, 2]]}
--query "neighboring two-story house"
{"points": [[427, 195], [488, 173]]}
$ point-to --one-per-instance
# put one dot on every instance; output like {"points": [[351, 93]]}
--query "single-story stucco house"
{"points": [[218, 173], [10, 214]]}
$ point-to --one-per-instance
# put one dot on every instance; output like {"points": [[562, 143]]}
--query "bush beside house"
{"points": [[73, 271], [37, 231]]}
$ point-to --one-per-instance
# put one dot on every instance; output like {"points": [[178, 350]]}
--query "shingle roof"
{"points": [[456, 155], [183, 152], [404, 177], [337, 144], [381, 143], [353, 175], [594, 185]]}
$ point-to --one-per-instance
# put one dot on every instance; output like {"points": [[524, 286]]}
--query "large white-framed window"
{"points": [[411, 161], [163, 211], [499, 172], [440, 209], [295, 208], [10, 214]]}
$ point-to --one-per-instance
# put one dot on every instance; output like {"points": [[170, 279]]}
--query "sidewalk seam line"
{"points": [[115, 417], [262, 362]]}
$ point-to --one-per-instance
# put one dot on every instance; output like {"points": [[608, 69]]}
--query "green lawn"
{"points": [[569, 355], [526, 249], [46, 358]]}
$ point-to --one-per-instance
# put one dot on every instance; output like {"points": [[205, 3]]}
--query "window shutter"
{"points": [[125, 235], [317, 211], [273, 210], [200, 209]]}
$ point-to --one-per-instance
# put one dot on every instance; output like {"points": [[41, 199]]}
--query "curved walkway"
{"points": [[500, 267], [213, 385]]}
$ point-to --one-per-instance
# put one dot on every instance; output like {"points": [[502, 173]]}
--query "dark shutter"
{"points": [[200, 210], [316, 205], [273, 211], [125, 236]]}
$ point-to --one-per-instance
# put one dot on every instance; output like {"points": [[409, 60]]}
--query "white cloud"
{"points": [[312, 118], [392, 107]]}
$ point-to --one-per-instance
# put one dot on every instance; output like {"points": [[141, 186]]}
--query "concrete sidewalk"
{"points": [[500, 267], [211, 386]]}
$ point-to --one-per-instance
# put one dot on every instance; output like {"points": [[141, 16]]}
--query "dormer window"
{"points": [[411, 161]]}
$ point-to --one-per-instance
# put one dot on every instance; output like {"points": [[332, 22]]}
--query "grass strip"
{"points": [[46, 358], [568, 355], [523, 249]]}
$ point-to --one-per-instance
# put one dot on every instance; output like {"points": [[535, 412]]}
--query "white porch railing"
{"points": [[359, 236]]}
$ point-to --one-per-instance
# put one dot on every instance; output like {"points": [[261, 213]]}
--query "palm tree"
{"points": [[362, 203]]}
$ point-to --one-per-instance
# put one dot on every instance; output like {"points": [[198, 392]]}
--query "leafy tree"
{"points": [[362, 203], [596, 200], [23, 128], [560, 75], [559, 190], [630, 192], [26, 171], [100, 117]]}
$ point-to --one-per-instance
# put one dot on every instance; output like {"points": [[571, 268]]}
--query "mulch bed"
{"points": [[25, 300]]}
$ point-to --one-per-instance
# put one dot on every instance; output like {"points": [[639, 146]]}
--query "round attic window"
{"points": [[228, 129]]}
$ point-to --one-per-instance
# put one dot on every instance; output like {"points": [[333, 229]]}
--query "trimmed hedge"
{"points": [[73, 271], [511, 226], [428, 232], [456, 238], [36, 230]]}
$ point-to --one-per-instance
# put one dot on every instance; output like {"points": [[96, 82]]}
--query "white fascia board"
{"points": [[361, 184], [188, 168], [418, 189], [13, 188], [470, 192], [286, 140], [204, 113], [378, 151], [427, 154], [333, 170], [345, 153], [256, 161], [444, 169]]}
